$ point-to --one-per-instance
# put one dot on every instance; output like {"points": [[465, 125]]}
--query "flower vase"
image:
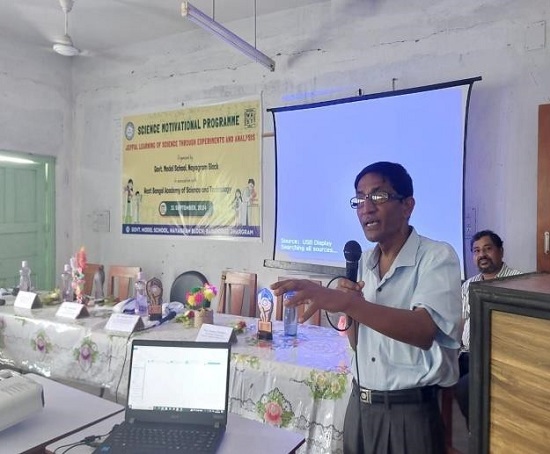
{"points": [[204, 316]]}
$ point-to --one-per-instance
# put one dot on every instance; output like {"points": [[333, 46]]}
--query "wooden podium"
{"points": [[510, 365]]}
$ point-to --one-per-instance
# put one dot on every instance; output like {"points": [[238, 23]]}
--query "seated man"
{"points": [[487, 252]]}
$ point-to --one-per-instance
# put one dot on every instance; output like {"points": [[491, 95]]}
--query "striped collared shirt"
{"points": [[505, 271]]}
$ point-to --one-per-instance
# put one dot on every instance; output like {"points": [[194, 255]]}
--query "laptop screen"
{"points": [[179, 377]]}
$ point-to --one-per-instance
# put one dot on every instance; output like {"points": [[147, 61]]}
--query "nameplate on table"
{"points": [[72, 310], [216, 333], [26, 300], [23, 312], [124, 323]]}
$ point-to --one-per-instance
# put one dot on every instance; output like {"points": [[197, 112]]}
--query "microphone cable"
{"points": [[169, 316], [126, 348], [358, 380], [349, 320]]}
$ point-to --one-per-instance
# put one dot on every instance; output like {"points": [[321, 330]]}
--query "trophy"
{"points": [[265, 304], [154, 294]]}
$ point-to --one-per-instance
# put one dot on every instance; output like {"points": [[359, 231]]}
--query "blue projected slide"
{"points": [[322, 147]]}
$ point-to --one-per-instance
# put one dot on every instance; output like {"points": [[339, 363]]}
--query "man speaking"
{"points": [[405, 312]]}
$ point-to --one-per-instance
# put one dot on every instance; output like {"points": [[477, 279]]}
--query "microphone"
{"points": [[169, 316], [352, 254]]}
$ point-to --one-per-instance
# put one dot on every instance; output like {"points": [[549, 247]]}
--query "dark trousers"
{"points": [[415, 428], [462, 388]]}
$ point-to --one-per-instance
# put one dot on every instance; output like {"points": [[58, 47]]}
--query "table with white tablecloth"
{"points": [[301, 383]]}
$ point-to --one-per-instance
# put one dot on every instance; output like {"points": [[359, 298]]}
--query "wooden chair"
{"points": [[120, 280], [89, 273], [315, 318], [238, 287]]}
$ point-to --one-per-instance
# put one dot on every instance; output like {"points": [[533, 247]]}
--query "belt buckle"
{"points": [[366, 395]]}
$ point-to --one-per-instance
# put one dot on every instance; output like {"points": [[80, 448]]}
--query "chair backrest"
{"points": [[236, 289], [315, 318], [89, 273], [121, 279], [184, 283]]}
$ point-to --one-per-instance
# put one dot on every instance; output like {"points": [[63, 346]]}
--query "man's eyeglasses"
{"points": [[376, 197]]}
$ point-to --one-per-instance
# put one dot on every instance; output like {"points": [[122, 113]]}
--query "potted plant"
{"points": [[199, 300]]}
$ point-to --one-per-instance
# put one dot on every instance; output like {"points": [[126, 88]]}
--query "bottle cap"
{"points": [[24, 264], [288, 295], [140, 276]]}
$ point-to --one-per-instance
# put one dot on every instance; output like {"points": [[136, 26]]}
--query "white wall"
{"points": [[36, 117], [321, 52]]}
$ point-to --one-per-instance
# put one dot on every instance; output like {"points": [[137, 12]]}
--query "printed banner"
{"points": [[193, 172]]}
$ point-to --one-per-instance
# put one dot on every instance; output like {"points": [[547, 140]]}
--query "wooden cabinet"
{"points": [[510, 365], [543, 188]]}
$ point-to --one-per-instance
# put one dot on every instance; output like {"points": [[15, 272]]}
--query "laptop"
{"points": [[177, 399]]}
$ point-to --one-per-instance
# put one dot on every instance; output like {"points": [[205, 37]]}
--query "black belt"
{"points": [[402, 396]]}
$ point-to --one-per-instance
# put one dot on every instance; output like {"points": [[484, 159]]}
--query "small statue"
{"points": [[99, 281]]}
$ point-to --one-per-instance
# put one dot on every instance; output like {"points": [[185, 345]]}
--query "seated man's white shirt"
{"points": [[425, 274]]}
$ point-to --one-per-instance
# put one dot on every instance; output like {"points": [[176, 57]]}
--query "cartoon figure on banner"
{"points": [[250, 199], [239, 207], [129, 192], [136, 205]]}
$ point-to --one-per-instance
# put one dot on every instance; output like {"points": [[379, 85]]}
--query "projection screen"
{"points": [[321, 147]]}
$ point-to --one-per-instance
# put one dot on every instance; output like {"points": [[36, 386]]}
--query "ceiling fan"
{"points": [[64, 45]]}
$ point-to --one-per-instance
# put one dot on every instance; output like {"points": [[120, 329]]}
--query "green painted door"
{"points": [[27, 221]]}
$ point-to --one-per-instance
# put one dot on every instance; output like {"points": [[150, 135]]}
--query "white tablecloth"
{"points": [[301, 383]]}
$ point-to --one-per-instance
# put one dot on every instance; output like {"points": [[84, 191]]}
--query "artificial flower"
{"points": [[201, 297], [81, 259], [185, 317], [239, 327], [78, 264]]}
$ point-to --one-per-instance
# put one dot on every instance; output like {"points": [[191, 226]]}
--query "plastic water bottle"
{"points": [[25, 277], [140, 296], [66, 284], [290, 317]]}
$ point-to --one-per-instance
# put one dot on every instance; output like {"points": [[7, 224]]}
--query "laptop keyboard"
{"points": [[163, 439]]}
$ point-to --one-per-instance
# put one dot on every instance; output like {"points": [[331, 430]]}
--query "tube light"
{"points": [[198, 17], [15, 160]]}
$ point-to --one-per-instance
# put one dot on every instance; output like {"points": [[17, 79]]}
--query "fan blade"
{"points": [[28, 22]]}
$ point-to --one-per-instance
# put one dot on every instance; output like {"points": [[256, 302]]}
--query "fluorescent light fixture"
{"points": [[198, 17], [15, 160]]}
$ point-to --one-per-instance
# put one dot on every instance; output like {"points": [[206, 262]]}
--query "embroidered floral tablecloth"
{"points": [[300, 383]]}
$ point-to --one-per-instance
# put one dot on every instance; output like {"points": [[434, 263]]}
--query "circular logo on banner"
{"points": [[163, 208], [129, 130]]}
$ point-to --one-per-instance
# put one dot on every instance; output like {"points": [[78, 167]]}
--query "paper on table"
{"points": [[124, 323], [71, 310], [26, 300], [216, 333]]}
